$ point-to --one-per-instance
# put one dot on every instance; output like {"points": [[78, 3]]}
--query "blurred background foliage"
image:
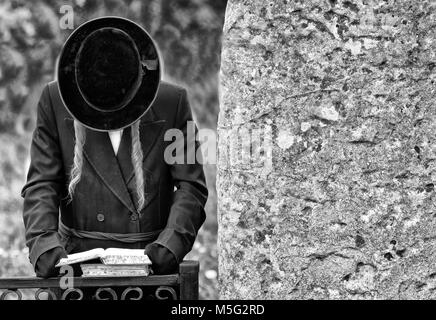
{"points": [[188, 33]]}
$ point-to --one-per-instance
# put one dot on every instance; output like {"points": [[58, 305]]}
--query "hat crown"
{"points": [[108, 69], [108, 73]]}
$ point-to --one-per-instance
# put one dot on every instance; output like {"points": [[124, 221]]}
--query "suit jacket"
{"points": [[104, 199]]}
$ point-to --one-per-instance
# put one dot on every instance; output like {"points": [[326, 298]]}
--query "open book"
{"points": [[110, 256]]}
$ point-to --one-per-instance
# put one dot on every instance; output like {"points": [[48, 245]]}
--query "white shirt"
{"points": [[115, 137]]}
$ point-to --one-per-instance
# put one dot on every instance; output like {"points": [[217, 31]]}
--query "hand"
{"points": [[162, 259], [45, 265]]}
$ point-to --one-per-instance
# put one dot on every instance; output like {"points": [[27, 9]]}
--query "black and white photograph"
{"points": [[227, 150]]}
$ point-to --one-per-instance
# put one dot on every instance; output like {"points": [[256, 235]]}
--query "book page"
{"points": [[123, 252], [81, 256], [125, 256]]}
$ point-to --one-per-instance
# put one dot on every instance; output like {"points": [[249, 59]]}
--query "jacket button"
{"points": [[134, 216], [100, 217]]}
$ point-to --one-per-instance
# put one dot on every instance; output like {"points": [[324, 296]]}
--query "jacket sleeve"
{"points": [[187, 211], [45, 181]]}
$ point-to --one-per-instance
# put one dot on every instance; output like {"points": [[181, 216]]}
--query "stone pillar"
{"points": [[344, 92]]}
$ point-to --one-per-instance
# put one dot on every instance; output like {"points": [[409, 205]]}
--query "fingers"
{"points": [[163, 261], [45, 266]]}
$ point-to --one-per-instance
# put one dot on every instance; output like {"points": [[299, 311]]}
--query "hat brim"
{"points": [[69, 91]]}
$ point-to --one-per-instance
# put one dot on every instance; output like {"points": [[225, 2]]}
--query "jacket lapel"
{"points": [[99, 153], [150, 129]]}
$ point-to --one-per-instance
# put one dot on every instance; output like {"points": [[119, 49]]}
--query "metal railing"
{"points": [[182, 285]]}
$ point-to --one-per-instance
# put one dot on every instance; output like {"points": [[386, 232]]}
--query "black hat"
{"points": [[108, 73]]}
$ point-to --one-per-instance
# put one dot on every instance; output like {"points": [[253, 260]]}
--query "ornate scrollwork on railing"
{"points": [[100, 291], [127, 291], [183, 285], [11, 291], [50, 294], [70, 292], [164, 293]]}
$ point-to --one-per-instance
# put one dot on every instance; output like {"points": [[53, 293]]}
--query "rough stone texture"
{"points": [[348, 209]]}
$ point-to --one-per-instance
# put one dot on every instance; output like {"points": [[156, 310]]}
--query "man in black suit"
{"points": [[98, 177]]}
